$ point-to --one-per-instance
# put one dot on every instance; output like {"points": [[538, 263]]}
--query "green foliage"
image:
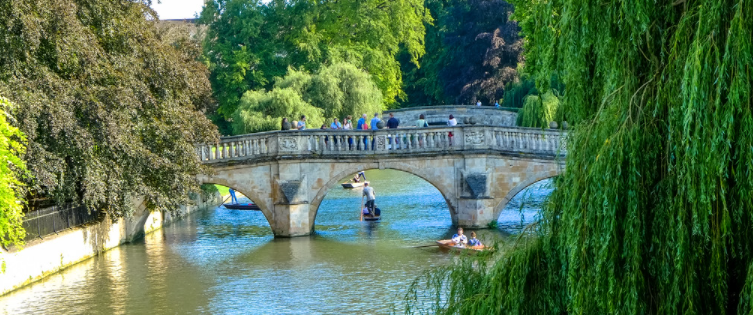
{"points": [[654, 212], [249, 42], [263, 111], [474, 50], [11, 147], [342, 89], [208, 191], [517, 91], [336, 91], [224, 191], [539, 111], [110, 108]]}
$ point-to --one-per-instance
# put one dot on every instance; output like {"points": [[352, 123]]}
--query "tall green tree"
{"points": [[249, 42], [11, 167], [653, 214], [111, 110]]}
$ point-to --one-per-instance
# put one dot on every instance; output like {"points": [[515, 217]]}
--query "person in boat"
{"points": [[460, 239], [474, 241], [358, 176], [366, 211], [233, 198], [370, 195]]}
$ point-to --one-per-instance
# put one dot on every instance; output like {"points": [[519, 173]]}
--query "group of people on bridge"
{"points": [[361, 124]]}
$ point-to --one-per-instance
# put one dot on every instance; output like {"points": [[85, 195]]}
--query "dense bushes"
{"points": [[11, 167]]}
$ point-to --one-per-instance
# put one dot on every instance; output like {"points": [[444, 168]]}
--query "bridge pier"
{"points": [[474, 213], [292, 220]]}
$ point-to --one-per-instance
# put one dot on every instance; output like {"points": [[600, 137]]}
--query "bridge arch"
{"points": [[530, 180], [351, 169], [250, 194]]}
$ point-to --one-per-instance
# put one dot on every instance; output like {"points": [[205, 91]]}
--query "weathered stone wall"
{"points": [[438, 115], [43, 257]]}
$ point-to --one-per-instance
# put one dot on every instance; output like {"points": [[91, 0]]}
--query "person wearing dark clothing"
{"points": [[392, 123]]}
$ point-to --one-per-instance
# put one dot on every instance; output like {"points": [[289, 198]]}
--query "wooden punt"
{"points": [[241, 206], [370, 218], [352, 185], [450, 245]]}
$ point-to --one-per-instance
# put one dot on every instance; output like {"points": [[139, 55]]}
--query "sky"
{"points": [[177, 9]]}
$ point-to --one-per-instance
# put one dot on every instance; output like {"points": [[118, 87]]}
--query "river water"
{"points": [[227, 262]]}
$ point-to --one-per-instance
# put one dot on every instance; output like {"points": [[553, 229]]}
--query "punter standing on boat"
{"points": [[233, 198], [370, 195]]}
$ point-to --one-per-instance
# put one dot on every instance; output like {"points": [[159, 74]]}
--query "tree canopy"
{"points": [[111, 110], [474, 51], [335, 91], [653, 213], [249, 43]]}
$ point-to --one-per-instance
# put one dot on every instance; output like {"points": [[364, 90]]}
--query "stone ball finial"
{"points": [[564, 125], [380, 124], [472, 120], [286, 125], [465, 120], [553, 125]]}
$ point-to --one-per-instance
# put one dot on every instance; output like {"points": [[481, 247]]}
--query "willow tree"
{"points": [[335, 91], [111, 110], [653, 214]]}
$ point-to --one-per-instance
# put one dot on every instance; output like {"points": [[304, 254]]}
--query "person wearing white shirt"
{"points": [[452, 122], [460, 239]]}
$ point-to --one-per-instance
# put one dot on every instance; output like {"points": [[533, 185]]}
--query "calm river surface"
{"points": [[227, 262]]}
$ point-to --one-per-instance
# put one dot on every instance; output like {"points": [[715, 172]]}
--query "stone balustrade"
{"points": [[335, 143]]}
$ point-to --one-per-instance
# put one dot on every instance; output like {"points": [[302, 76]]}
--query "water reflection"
{"points": [[227, 261]]}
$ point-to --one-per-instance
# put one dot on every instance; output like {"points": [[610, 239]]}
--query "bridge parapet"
{"points": [[386, 142]]}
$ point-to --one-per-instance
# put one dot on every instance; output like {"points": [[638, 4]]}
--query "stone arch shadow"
{"points": [[353, 168], [253, 196], [530, 180]]}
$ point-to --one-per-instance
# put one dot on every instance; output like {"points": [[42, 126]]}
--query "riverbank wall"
{"points": [[44, 257]]}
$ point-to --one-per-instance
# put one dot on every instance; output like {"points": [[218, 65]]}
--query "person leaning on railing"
{"points": [[452, 122], [285, 125]]}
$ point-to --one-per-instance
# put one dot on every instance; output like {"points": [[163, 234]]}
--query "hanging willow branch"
{"points": [[655, 212]]}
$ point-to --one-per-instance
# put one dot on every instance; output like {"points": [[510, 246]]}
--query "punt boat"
{"points": [[241, 206], [450, 245], [352, 185]]}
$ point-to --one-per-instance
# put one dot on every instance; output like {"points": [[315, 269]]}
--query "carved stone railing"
{"points": [[509, 140]]}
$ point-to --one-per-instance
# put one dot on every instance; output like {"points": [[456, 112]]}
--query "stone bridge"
{"points": [[477, 168]]}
